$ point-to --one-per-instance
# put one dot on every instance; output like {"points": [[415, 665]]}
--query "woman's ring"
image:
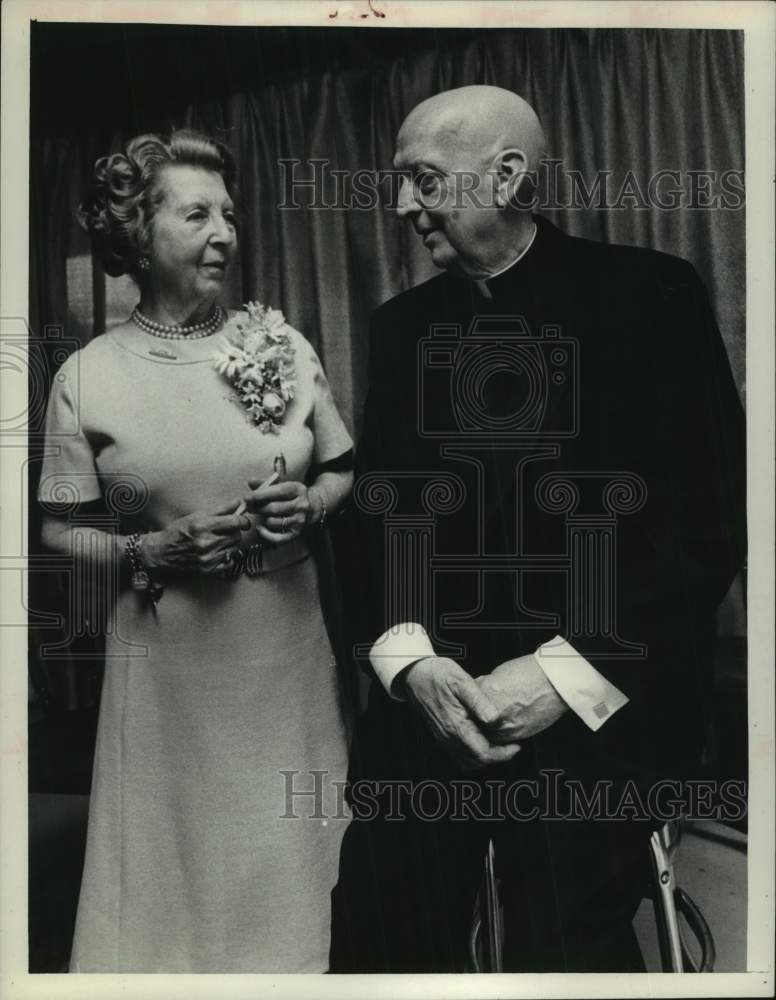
{"points": [[284, 525]]}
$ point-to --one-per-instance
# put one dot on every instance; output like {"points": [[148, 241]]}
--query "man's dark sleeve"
{"points": [[359, 534], [690, 539], [679, 555]]}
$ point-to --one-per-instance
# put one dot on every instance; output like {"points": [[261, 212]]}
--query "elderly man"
{"points": [[550, 484]]}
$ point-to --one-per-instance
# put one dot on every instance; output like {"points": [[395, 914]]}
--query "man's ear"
{"points": [[511, 168]]}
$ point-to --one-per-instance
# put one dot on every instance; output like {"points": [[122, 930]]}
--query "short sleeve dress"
{"points": [[220, 709]]}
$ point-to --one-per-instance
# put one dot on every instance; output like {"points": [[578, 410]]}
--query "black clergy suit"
{"points": [[594, 394]]}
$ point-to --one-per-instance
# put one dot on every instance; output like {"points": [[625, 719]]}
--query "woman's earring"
{"points": [[145, 263]]}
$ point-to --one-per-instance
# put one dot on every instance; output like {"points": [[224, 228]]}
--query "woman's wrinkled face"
{"points": [[193, 239]]}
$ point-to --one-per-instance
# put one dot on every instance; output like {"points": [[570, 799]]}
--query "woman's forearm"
{"points": [[90, 547], [333, 489], [83, 542]]}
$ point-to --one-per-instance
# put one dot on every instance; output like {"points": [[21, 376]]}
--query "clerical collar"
{"points": [[482, 283]]}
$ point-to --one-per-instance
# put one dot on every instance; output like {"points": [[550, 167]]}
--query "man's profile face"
{"points": [[447, 195]]}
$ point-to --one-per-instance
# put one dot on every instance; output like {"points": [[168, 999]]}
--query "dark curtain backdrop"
{"points": [[613, 100]]}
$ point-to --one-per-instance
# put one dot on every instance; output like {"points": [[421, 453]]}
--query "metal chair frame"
{"points": [[669, 900]]}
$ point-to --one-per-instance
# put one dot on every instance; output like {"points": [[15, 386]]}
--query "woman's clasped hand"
{"points": [[202, 542], [283, 510]]}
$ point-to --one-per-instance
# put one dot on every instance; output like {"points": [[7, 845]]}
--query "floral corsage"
{"points": [[258, 360]]}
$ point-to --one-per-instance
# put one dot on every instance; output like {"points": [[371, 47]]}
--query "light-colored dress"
{"points": [[200, 856]]}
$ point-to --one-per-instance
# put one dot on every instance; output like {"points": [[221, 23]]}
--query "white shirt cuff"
{"points": [[585, 691], [396, 649]]}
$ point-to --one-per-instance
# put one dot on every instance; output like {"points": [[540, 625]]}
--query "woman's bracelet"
{"points": [[314, 489], [140, 577]]}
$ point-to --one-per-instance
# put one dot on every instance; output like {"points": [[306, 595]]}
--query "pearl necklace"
{"points": [[174, 331]]}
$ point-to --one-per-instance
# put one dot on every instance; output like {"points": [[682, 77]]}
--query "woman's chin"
{"points": [[207, 291]]}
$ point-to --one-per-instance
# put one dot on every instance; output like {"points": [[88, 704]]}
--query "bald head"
{"points": [[476, 121], [470, 157]]}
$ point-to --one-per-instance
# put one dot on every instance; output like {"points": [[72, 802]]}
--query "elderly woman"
{"points": [[220, 700]]}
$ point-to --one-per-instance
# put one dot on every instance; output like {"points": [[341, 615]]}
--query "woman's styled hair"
{"points": [[118, 212]]}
